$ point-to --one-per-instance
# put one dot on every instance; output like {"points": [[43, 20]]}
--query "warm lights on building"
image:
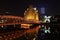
{"points": [[25, 25], [34, 8], [31, 13]]}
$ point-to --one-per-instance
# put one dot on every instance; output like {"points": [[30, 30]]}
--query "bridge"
{"points": [[14, 20], [10, 20]]}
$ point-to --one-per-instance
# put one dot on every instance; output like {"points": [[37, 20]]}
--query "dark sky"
{"points": [[19, 6]]}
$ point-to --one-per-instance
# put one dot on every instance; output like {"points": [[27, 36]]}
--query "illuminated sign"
{"points": [[47, 18]]}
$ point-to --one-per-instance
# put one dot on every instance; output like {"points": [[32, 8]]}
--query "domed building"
{"points": [[31, 13]]}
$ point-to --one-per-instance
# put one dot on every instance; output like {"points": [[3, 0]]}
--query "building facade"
{"points": [[31, 13]]}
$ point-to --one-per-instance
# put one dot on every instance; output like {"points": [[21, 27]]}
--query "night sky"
{"points": [[18, 7]]}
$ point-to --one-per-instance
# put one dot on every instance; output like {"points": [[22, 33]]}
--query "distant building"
{"points": [[31, 13], [42, 11]]}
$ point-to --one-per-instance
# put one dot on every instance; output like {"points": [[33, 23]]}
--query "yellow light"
{"points": [[25, 25]]}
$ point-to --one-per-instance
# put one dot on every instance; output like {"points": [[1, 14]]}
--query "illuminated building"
{"points": [[31, 13]]}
